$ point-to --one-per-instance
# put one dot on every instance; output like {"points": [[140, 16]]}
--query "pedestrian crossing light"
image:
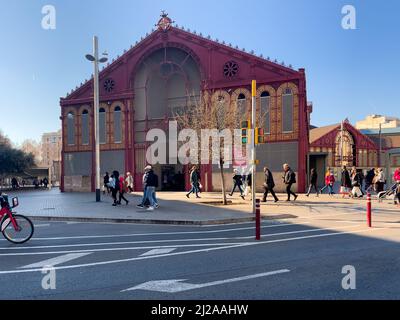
{"points": [[245, 131], [259, 138]]}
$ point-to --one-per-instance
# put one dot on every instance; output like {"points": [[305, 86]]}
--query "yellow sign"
{"points": [[254, 88]]}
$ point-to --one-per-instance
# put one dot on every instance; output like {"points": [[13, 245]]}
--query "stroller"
{"points": [[384, 194]]}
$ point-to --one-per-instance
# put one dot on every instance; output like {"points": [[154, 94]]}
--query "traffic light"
{"points": [[245, 131], [259, 135]]}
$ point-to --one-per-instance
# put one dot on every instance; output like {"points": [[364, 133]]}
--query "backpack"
{"points": [[293, 177]]}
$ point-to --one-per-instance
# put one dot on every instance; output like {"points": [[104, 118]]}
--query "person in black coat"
{"points": [[313, 182], [346, 181], [237, 182], [269, 185]]}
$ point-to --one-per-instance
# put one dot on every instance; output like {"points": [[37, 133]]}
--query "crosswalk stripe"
{"points": [[155, 252], [57, 260]]}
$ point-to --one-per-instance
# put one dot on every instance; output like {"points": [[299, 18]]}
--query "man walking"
{"points": [[194, 182], [150, 183], [237, 182], [269, 185], [289, 178]]}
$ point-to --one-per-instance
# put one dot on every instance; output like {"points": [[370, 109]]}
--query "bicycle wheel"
{"points": [[22, 234]]}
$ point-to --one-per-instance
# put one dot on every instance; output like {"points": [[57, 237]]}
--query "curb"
{"points": [[161, 222], [142, 221]]}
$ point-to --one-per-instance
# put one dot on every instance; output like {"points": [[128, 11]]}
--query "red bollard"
{"points": [[369, 209], [258, 220]]}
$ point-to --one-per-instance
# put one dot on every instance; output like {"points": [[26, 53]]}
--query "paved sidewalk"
{"points": [[175, 208]]}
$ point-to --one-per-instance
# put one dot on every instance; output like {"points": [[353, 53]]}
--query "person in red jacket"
{"points": [[396, 178]]}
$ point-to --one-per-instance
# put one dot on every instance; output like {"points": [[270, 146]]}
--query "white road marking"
{"points": [[122, 249], [41, 225], [369, 230], [56, 261], [162, 233], [173, 286], [172, 240], [155, 252]]}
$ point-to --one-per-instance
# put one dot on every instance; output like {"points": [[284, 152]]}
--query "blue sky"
{"points": [[350, 73]]}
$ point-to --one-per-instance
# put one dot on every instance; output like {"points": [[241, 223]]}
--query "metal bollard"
{"points": [[369, 209], [258, 220]]}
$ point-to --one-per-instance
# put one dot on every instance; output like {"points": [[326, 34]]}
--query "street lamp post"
{"points": [[95, 59]]}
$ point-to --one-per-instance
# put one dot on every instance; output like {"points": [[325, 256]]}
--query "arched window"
{"points": [[102, 125], [287, 110], [241, 105], [85, 127], [265, 103], [70, 129], [117, 125]]}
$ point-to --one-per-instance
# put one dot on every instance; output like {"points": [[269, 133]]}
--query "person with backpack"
{"points": [[114, 186], [289, 178], [313, 182]]}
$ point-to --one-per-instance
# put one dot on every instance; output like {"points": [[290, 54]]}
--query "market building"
{"points": [[160, 75]]}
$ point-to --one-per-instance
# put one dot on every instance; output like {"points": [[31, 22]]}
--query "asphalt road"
{"points": [[296, 259]]}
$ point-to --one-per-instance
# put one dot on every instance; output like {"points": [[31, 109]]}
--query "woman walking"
{"points": [[194, 182], [122, 190], [356, 182], [345, 185], [396, 178], [129, 182], [380, 180]]}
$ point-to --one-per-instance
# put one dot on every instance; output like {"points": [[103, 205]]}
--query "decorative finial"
{"points": [[165, 23]]}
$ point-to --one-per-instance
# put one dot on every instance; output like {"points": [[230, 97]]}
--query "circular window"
{"points": [[231, 68], [109, 85]]}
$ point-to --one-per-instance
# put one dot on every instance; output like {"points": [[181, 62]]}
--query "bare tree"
{"points": [[213, 112]]}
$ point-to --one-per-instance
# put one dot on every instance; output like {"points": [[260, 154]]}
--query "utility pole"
{"points": [[253, 144], [95, 59], [380, 146]]}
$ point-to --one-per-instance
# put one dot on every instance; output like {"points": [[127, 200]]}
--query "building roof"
{"points": [[388, 142], [166, 24], [317, 133], [384, 131]]}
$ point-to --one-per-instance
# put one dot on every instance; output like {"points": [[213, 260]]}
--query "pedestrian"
{"points": [[150, 183], [289, 178], [247, 189], [380, 180], [313, 182], [106, 187], [237, 182], [129, 182], [368, 179], [356, 182], [327, 173], [113, 184], [45, 182], [269, 185], [396, 178], [194, 182], [122, 190], [345, 185], [330, 179]]}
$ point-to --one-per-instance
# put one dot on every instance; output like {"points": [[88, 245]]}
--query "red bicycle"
{"points": [[15, 228]]}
